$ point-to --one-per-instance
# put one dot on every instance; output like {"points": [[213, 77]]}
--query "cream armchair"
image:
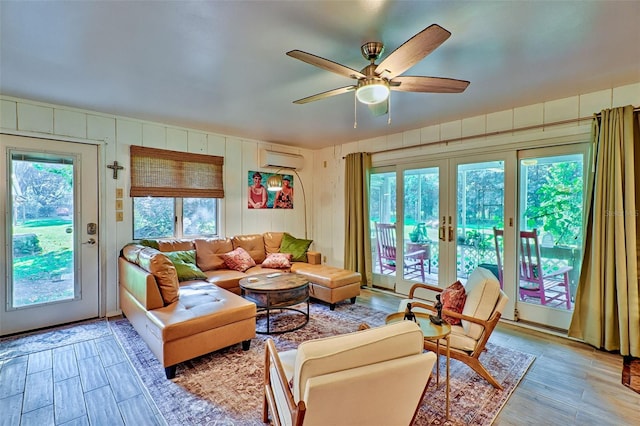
{"points": [[482, 310], [376, 376]]}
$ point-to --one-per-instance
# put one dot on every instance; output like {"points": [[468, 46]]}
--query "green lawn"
{"points": [[56, 255]]}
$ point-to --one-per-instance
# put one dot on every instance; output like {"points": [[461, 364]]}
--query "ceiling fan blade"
{"points": [[412, 51], [428, 84], [325, 64], [326, 94], [381, 108]]}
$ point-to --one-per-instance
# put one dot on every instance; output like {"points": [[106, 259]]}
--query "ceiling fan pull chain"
{"points": [[389, 109], [355, 112]]}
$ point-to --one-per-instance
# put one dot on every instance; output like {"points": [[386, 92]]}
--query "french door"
{"points": [[445, 212], [550, 206], [476, 211], [50, 272]]}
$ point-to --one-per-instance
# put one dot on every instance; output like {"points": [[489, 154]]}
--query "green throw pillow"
{"points": [[185, 263], [150, 243], [297, 247]]}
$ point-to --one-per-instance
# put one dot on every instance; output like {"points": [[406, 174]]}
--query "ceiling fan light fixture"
{"points": [[372, 92], [274, 183]]}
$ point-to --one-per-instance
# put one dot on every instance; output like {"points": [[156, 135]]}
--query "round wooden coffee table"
{"points": [[278, 290]]}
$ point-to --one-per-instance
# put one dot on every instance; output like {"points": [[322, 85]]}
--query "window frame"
{"points": [[178, 219]]}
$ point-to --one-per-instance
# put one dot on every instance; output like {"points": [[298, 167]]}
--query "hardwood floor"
{"points": [[569, 383], [91, 382]]}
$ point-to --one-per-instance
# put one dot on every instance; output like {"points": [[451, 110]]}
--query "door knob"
{"points": [[90, 242]]}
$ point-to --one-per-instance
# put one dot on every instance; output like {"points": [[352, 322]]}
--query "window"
{"points": [[174, 193], [160, 217]]}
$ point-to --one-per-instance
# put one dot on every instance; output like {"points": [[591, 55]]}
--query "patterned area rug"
{"points": [[631, 373], [41, 340], [225, 387]]}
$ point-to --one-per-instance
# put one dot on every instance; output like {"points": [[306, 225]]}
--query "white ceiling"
{"points": [[220, 66]]}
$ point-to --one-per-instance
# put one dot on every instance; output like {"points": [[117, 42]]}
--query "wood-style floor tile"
{"points": [[38, 391], [102, 407], [92, 374], [69, 400]]}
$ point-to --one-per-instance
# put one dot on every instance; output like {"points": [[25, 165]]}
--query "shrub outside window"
{"points": [[165, 217]]}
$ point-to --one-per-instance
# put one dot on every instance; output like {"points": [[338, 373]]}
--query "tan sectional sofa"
{"points": [[180, 320]]}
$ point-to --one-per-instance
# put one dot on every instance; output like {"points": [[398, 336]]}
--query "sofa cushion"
{"points": [[238, 259], [209, 252], [175, 244], [272, 241], [296, 246], [150, 243], [323, 356], [277, 260], [325, 275], [453, 299], [163, 271], [483, 291], [201, 307], [253, 244], [185, 264]]}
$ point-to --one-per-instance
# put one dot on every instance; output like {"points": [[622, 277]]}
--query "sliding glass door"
{"points": [[551, 200], [479, 209], [382, 210]]}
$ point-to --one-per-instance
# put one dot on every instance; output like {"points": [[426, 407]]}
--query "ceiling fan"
{"points": [[374, 82]]}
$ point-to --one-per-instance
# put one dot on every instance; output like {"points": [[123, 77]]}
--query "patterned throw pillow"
{"points": [[453, 299], [277, 261], [238, 259], [296, 246]]}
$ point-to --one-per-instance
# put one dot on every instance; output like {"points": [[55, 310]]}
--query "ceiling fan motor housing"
{"points": [[372, 50]]}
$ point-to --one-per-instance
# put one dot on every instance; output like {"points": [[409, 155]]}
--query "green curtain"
{"points": [[357, 241], [607, 309]]}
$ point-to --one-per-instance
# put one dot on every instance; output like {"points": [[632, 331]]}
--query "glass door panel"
{"points": [[50, 249], [42, 201], [479, 209], [551, 200], [382, 209], [420, 233]]}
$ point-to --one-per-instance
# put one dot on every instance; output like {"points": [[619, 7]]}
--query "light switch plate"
{"points": [[118, 204], [119, 192], [119, 216]]}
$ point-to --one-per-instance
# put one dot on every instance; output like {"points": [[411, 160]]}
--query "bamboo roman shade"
{"points": [[164, 173]]}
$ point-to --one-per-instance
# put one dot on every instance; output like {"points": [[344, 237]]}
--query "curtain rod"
{"points": [[496, 133]]}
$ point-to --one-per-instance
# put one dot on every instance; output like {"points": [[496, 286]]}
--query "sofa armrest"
{"points": [[314, 258], [140, 283]]}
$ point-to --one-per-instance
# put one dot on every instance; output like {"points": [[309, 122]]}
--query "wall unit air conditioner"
{"points": [[282, 160]]}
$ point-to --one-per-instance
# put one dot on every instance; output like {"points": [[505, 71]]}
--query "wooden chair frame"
{"points": [[548, 286], [469, 358], [534, 281], [296, 411], [386, 239]]}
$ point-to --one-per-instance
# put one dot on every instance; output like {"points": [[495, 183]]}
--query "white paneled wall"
{"points": [[116, 134], [330, 211], [323, 173]]}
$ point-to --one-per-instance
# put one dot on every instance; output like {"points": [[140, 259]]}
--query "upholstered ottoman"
{"points": [[330, 284]]}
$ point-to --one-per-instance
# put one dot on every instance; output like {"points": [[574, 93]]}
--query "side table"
{"points": [[431, 332]]}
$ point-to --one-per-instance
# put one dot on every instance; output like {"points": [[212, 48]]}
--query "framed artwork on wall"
{"points": [[259, 197]]}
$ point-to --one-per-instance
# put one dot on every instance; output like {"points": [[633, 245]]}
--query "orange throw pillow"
{"points": [[453, 299]]}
